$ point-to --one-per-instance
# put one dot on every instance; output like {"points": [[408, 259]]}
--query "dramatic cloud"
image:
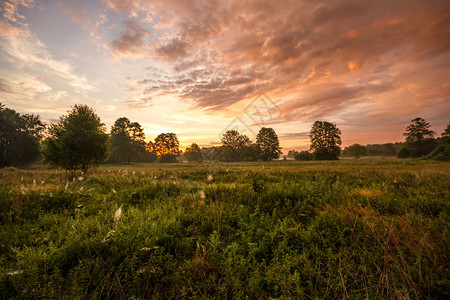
{"points": [[369, 66], [322, 59], [131, 41]]}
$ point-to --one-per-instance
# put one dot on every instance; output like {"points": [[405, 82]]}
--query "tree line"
{"points": [[419, 142], [80, 141]]}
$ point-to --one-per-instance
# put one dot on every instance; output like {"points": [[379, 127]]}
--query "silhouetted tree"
{"points": [[268, 143], [442, 151], [19, 137], [419, 137], [193, 153], [79, 141], [233, 144], [167, 147], [291, 153], [446, 134], [127, 141], [325, 140], [149, 154]]}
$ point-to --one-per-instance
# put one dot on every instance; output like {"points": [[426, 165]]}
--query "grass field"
{"points": [[367, 228]]}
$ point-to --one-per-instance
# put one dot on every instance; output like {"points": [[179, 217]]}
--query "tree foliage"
{"points": [[193, 153], [356, 150], [78, 141], [233, 145], [325, 140], [235, 140], [127, 141], [268, 143], [19, 137], [446, 132], [303, 156], [419, 137], [167, 147]]}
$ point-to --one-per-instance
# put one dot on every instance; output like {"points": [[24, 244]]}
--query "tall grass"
{"points": [[349, 229]]}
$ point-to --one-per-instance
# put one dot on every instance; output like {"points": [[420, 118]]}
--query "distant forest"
{"points": [[80, 141]]}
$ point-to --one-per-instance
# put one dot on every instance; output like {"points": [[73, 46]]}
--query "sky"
{"points": [[199, 68]]}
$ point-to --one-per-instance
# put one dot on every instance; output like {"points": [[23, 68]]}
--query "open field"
{"points": [[367, 228]]}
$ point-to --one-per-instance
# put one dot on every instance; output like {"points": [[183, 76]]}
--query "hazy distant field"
{"points": [[375, 228]]}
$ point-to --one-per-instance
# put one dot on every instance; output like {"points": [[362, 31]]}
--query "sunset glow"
{"points": [[195, 68]]}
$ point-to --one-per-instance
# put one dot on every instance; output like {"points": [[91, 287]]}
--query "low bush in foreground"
{"points": [[275, 230]]}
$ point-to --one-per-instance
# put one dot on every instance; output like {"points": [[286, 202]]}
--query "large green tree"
{"points": [[19, 137], [268, 143], [167, 147], [419, 137], [325, 140], [78, 141], [127, 141]]}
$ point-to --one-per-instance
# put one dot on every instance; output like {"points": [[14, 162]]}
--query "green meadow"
{"points": [[366, 228]]}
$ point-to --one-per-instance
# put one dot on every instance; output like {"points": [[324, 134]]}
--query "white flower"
{"points": [[15, 272], [202, 194], [210, 177], [81, 178], [114, 191], [118, 214]]}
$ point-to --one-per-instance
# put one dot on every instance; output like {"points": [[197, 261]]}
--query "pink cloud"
{"points": [[360, 61]]}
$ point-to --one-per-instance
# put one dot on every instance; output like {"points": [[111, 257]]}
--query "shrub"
{"points": [[403, 152], [303, 156], [441, 153]]}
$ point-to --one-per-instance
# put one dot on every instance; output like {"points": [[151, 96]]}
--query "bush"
{"points": [[303, 156], [403, 152], [441, 153]]}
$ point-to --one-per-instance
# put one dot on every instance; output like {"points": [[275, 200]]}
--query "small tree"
{"points": [[167, 147], [193, 153], [268, 143], [419, 137], [19, 137], [325, 140], [79, 141]]}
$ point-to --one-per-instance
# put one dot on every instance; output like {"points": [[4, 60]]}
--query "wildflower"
{"points": [[118, 214], [42, 182], [114, 191], [210, 177], [15, 272], [202, 194], [81, 178], [134, 173]]}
